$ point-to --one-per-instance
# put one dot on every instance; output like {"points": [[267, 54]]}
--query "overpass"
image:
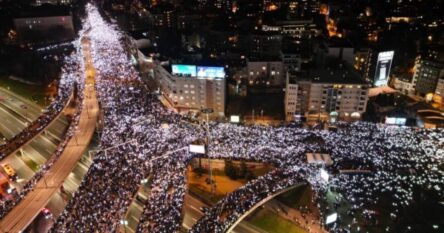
{"points": [[230, 211], [30, 206]]}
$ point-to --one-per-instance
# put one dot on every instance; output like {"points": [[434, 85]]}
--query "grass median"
{"points": [[272, 223], [34, 93]]}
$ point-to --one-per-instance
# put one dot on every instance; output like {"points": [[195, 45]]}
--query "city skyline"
{"points": [[221, 116]]}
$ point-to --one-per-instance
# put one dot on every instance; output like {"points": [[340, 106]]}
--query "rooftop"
{"points": [[335, 71]]}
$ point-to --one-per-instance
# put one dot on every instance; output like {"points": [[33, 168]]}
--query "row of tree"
{"points": [[237, 172]]}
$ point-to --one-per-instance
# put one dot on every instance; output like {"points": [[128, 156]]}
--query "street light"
{"points": [[124, 223], [207, 112], [75, 134], [144, 182]]}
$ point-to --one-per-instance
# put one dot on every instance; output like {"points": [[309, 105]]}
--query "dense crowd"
{"points": [[142, 138], [72, 75], [227, 211], [137, 130], [163, 209], [396, 160], [69, 75]]}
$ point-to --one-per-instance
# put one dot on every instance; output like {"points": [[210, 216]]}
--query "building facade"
{"points": [[426, 76], [191, 93], [326, 93], [269, 73]]}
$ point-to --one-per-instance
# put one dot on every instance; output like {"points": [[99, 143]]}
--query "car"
{"points": [[46, 213], [9, 170]]}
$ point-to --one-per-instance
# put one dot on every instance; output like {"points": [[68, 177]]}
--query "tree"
{"points": [[230, 170], [243, 169]]}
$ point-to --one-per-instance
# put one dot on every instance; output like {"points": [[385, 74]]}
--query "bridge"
{"points": [[230, 211], [30, 206]]}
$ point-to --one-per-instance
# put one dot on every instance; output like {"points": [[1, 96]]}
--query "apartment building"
{"points": [[192, 88]]}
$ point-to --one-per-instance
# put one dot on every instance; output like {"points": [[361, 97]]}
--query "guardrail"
{"points": [[33, 130]]}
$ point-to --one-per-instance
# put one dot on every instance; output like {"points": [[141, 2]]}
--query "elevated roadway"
{"points": [[24, 213]]}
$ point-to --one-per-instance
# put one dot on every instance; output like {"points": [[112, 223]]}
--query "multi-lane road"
{"points": [[193, 210], [25, 212], [16, 112]]}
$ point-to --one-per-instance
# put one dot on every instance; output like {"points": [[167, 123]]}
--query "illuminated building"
{"points": [[191, 88], [363, 59], [266, 73], [54, 28], [265, 44], [426, 76], [335, 90]]}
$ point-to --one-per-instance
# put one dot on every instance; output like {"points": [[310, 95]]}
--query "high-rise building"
{"points": [[265, 72], [265, 44], [426, 76], [439, 92], [334, 91], [363, 60], [192, 88]]}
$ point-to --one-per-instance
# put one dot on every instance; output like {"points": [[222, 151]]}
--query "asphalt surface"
{"points": [[60, 199], [25, 212], [16, 112]]}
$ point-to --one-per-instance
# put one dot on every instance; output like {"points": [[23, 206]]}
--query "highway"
{"points": [[35, 153], [192, 212], [25, 212], [16, 112], [59, 200]]}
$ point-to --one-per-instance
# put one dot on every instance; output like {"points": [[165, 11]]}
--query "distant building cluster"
{"points": [[320, 59]]}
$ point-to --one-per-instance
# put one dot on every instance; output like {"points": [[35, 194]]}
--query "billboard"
{"points": [[210, 72], [395, 120], [331, 218], [234, 119], [183, 70], [198, 149], [383, 66]]}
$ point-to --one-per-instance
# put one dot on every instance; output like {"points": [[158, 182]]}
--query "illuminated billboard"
{"points": [[331, 218], [198, 149], [183, 70], [383, 66], [234, 119], [395, 120], [210, 72]]}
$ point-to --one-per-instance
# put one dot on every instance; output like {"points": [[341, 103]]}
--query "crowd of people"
{"points": [[71, 78], [141, 138], [137, 131], [163, 208], [227, 211], [64, 94], [371, 161]]}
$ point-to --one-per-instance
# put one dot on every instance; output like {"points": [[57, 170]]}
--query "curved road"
{"points": [[24, 213]]}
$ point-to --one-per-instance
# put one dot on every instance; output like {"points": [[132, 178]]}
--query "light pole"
{"points": [[124, 223], [75, 134], [253, 115], [44, 179], [207, 112], [144, 183]]}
